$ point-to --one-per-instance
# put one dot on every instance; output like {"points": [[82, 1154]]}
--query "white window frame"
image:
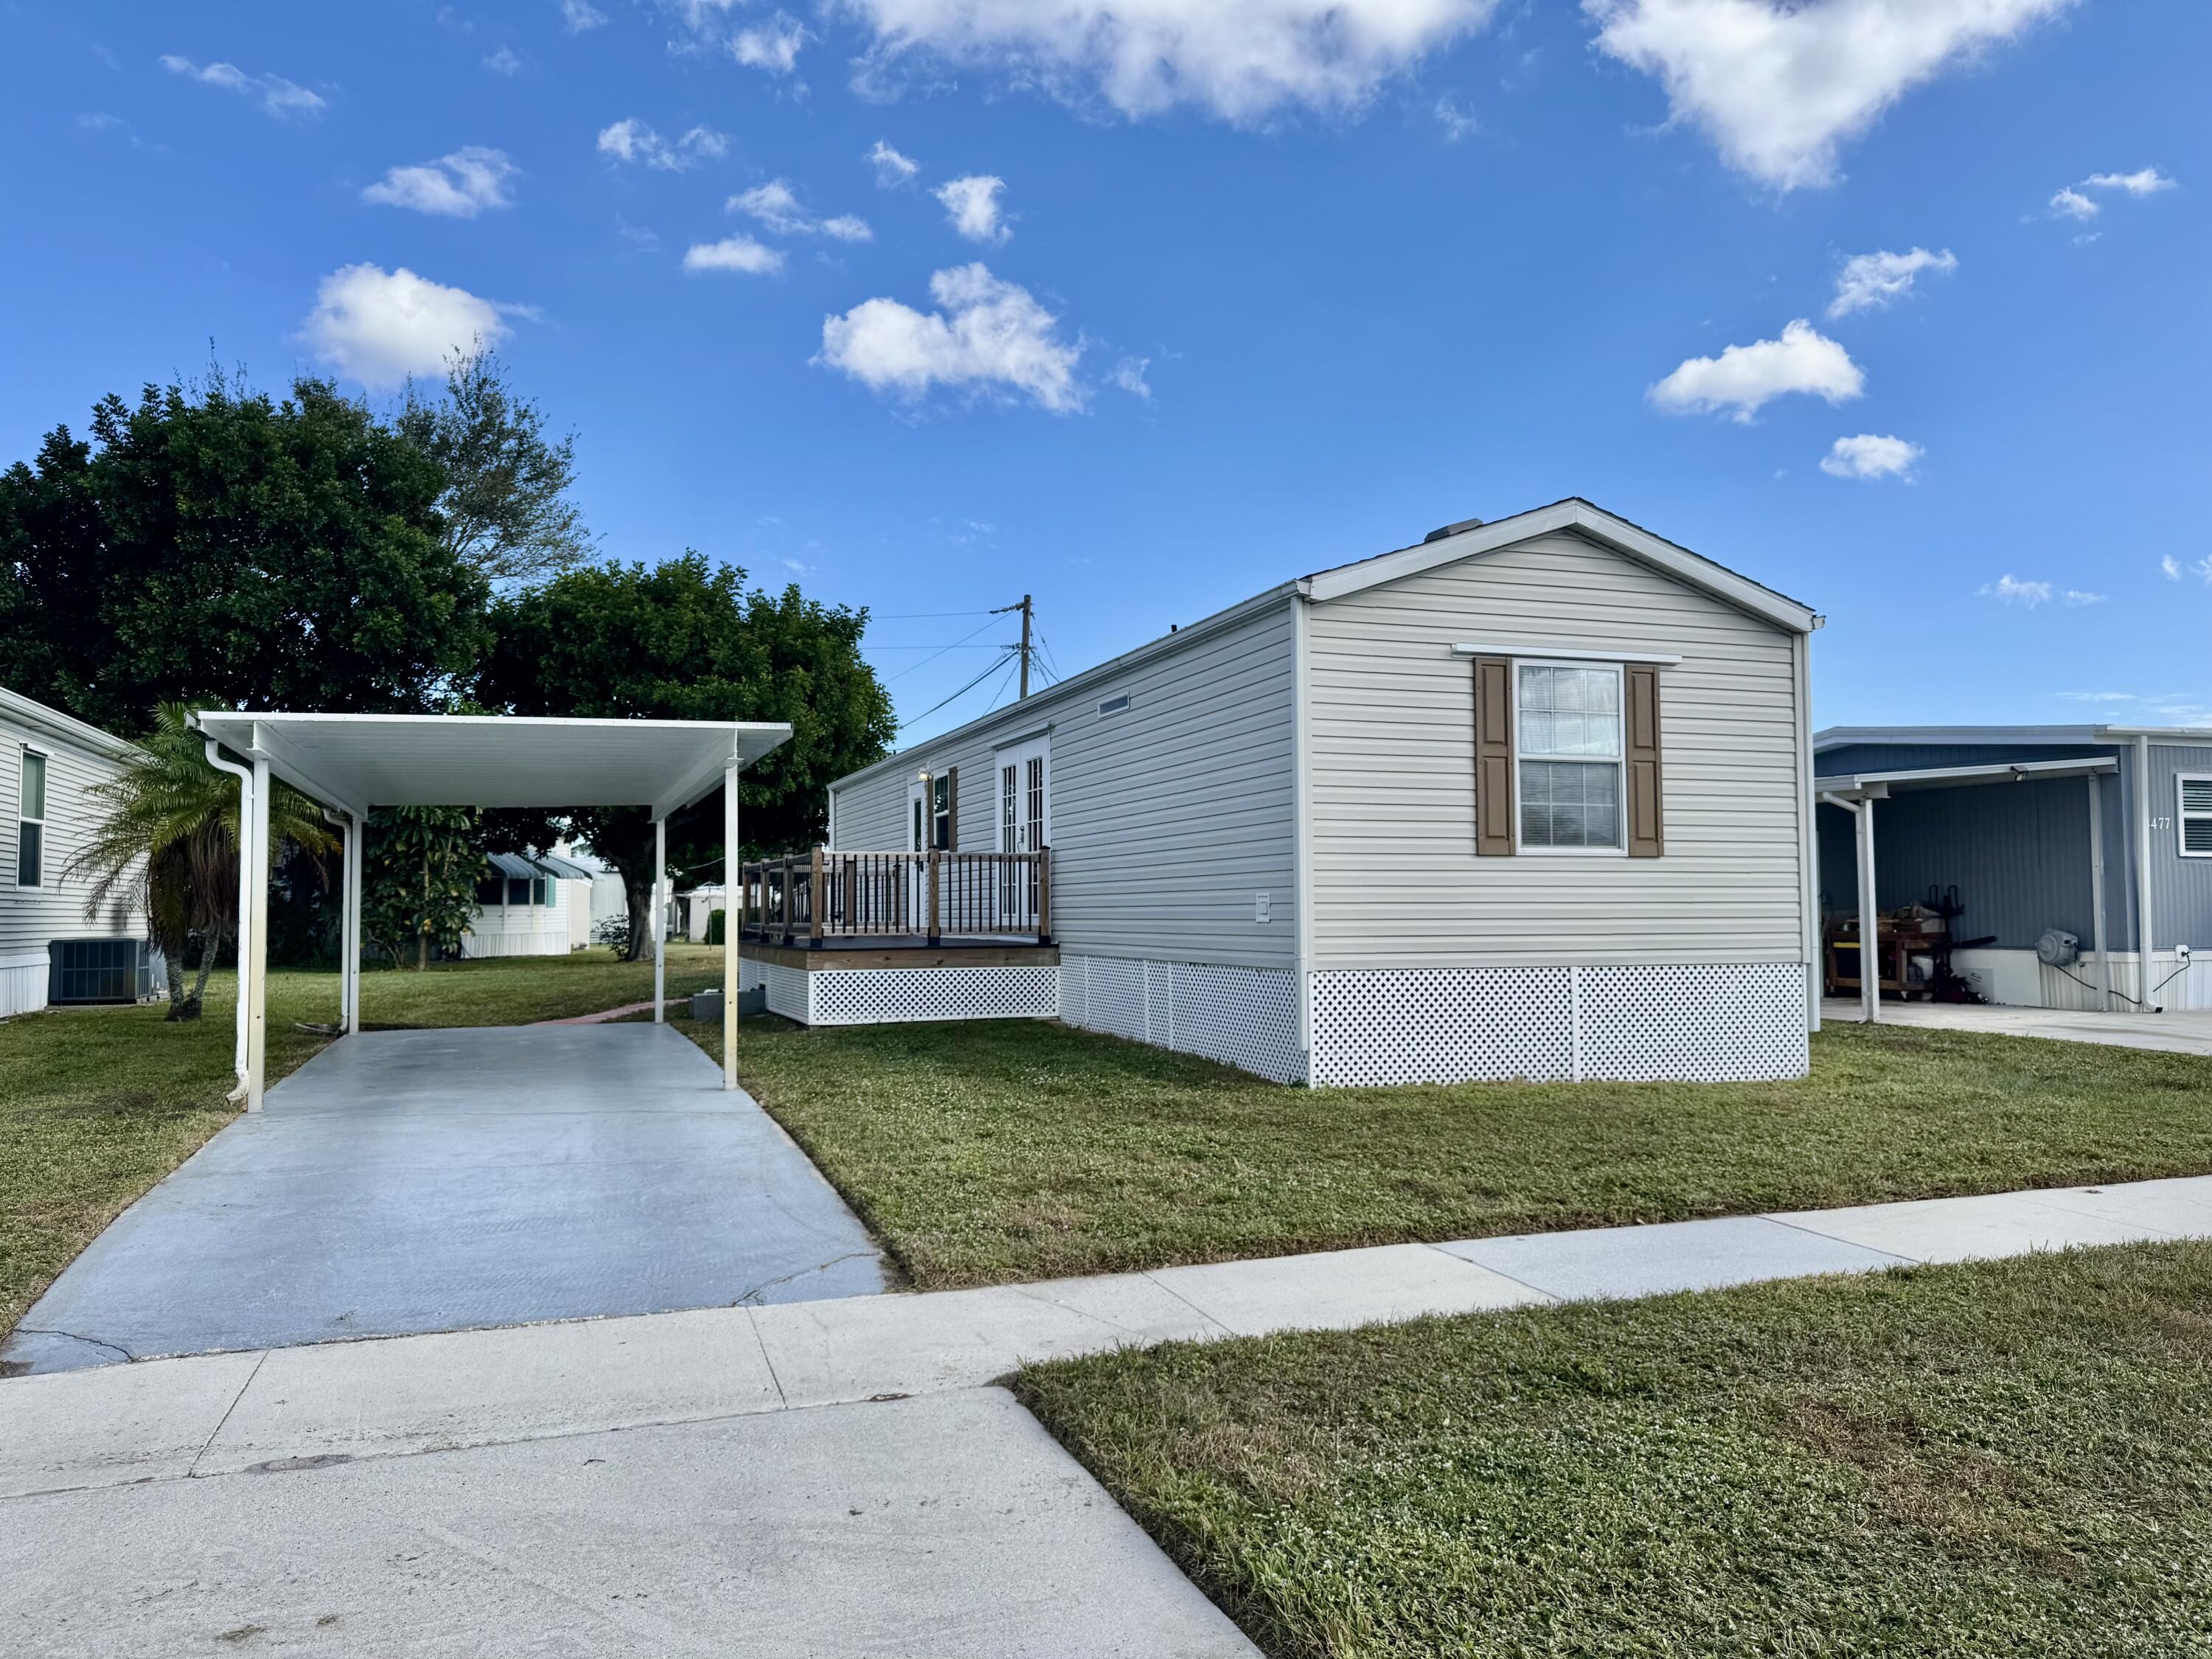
{"points": [[26, 754], [2182, 815], [1619, 763], [1018, 755]]}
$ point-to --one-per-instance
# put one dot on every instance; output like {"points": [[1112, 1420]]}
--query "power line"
{"points": [[988, 623], [989, 669], [926, 616]]}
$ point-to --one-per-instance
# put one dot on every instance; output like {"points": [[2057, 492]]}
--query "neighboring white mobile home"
{"points": [[530, 905], [49, 950], [1528, 800]]}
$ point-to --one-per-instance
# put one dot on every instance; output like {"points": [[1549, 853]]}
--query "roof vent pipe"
{"points": [[1452, 530]]}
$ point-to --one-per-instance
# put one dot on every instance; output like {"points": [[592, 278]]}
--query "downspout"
{"points": [[1301, 830], [2142, 871], [245, 776]]}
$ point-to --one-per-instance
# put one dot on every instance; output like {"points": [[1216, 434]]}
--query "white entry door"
{"points": [[1025, 815]]}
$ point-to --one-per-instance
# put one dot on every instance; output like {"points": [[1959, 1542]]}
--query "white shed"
{"points": [[1525, 800], [50, 950]]}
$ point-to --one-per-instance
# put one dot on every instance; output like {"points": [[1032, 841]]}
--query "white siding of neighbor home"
{"points": [[1395, 879], [32, 918], [1166, 820]]}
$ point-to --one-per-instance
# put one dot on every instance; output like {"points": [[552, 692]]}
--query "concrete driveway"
{"points": [[405, 1182], [2177, 1033]]}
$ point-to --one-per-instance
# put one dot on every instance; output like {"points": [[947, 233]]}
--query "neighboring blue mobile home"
{"points": [[2002, 813]]}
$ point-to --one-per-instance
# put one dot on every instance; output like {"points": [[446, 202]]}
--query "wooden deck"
{"points": [[900, 902], [850, 953]]}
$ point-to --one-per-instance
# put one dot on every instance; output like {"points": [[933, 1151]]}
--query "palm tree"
{"points": [[169, 837]]}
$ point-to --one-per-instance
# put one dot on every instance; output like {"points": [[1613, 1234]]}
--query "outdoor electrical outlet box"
{"points": [[1259, 906]]}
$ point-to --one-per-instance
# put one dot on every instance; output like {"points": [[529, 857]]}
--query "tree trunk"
{"points": [[423, 937], [637, 892]]}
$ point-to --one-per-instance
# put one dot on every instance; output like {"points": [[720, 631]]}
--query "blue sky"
{"points": [[1142, 305]]}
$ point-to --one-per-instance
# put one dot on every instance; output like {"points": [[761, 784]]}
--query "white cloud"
{"points": [[2202, 570], [631, 141], [1869, 457], [1870, 281], [773, 45], [2148, 182], [1457, 124], [972, 206], [503, 61], [1129, 375], [581, 16], [285, 100], [892, 169], [739, 252], [2009, 589], [1781, 85], [2170, 568], [456, 186], [378, 327], [985, 336], [1239, 59], [1745, 378], [776, 205], [2076, 598], [2074, 202]]}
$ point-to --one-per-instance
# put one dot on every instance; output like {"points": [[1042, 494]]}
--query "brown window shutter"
{"points": [[1493, 758], [1647, 836], [951, 809]]}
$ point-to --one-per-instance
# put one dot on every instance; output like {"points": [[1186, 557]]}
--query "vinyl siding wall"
{"points": [[1165, 820], [31, 918], [1395, 879]]}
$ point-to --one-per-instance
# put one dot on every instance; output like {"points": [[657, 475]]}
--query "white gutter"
{"points": [[1808, 858], [1302, 883], [245, 777]]}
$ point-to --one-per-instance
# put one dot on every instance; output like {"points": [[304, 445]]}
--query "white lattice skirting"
{"points": [[1242, 1016], [1700, 1023], [878, 996]]}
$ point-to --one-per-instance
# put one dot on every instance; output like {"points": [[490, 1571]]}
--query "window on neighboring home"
{"points": [[2196, 816], [943, 803], [31, 822], [541, 890], [1568, 732], [518, 890], [491, 889]]}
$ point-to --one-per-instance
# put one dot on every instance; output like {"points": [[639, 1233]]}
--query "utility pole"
{"points": [[1029, 617]]}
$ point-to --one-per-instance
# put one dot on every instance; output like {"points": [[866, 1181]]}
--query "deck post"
{"points": [[1044, 894], [934, 929], [659, 921], [814, 896], [733, 926], [785, 904], [253, 962]]}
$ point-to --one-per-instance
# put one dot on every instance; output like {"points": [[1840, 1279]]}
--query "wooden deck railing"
{"points": [[823, 896]]}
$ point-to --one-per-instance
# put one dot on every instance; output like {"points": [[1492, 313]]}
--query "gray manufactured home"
{"points": [[2085, 831], [1527, 799], [50, 950]]}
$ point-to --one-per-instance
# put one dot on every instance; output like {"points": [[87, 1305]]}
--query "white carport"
{"points": [[351, 763], [1856, 794]]}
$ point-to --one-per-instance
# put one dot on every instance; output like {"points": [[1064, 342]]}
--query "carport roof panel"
{"points": [[1953, 777], [356, 762]]}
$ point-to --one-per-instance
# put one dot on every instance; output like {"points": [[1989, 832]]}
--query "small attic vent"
{"points": [[1114, 705], [1452, 530]]}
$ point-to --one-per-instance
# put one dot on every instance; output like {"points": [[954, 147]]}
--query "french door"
{"points": [[1024, 826]]}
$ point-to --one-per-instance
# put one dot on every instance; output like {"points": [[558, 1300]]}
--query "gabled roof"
{"points": [[1585, 519], [64, 728], [1466, 540]]}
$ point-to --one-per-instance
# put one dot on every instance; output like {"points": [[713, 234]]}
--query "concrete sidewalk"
{"points": [[825, 1478], [2179, 1031], [225, 1414]]}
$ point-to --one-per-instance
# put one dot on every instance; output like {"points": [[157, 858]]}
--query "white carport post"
{"points": [[1861, 812], [253, 953], [2097, 890], [732, 882], [356, 828], [245, 776], [660, 921]]}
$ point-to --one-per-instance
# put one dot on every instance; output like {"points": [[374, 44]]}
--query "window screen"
{"points": [[2196, 818], [31, 822]]}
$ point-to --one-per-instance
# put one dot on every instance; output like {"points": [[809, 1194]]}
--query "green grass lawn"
{"points": [[97, 1104], [1004, 1150], [2004, 1458]]}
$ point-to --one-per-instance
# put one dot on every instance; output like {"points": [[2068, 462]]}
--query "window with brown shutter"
{"points": [[1493, 758], [1647, 829]]}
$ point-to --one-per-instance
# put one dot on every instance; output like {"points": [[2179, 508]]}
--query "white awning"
{"points": [[356, 762], [1856, 786]]}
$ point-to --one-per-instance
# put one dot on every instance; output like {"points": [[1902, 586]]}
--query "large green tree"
{"points": [[213, 544], [420, 865], [685, 641]]}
